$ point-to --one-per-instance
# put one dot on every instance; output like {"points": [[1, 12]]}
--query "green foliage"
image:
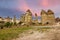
{"points": [[8, 24], [43, 29], [10, 33]]}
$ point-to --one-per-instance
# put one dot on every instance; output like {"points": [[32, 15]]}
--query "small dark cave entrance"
{"points": [[47, 22]]}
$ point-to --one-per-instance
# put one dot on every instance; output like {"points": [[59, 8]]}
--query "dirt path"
{"points": [[36, 35]]}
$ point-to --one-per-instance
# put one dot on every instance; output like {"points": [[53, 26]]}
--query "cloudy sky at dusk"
{"points": [[18, 7]]}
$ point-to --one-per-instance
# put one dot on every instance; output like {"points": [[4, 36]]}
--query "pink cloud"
{"points": [[24, 7], [45, 3], [49, 3]]}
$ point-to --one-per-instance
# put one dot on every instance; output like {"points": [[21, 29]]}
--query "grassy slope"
{"points": [[9, 33]]}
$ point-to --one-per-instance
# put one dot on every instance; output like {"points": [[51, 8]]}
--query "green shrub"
{"points": [[8, 24], [10, 33]]}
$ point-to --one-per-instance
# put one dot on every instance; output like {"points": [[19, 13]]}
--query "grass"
{"points": [[43, 29], [10, 33]]}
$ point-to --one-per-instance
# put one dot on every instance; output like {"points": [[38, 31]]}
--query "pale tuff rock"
{"points": [[47, 17]]}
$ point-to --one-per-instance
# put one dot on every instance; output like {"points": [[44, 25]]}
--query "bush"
{"points": [[8, 24]]}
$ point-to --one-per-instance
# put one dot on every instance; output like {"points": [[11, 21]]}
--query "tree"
{"points": [[8, 24]]}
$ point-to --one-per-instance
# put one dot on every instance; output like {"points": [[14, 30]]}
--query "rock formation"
{"points": [[47, 17]]}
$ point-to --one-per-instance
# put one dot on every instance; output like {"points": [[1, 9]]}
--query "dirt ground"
{"points": [[52, 34]]}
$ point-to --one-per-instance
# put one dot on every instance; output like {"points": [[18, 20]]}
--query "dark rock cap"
{"points": [[43, 12], [50, 12]]}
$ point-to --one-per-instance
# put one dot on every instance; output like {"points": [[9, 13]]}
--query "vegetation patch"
{"points": [[43, 29], [10, 33]]}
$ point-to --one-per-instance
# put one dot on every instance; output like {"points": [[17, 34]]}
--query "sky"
{"points": [[18, 7]]}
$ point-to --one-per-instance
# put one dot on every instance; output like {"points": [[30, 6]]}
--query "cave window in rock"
{"points": [[47, 22]]}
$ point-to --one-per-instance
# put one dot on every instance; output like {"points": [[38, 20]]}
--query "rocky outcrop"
{"points": [[47, 17]]}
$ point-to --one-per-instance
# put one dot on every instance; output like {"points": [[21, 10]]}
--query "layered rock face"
{"points": [[51, 17], [28, 17], [47, 17], [43, 17]]}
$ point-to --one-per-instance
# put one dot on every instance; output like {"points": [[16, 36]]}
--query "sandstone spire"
{"points": [[28, 17], [29, 12], [47, 17]]}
